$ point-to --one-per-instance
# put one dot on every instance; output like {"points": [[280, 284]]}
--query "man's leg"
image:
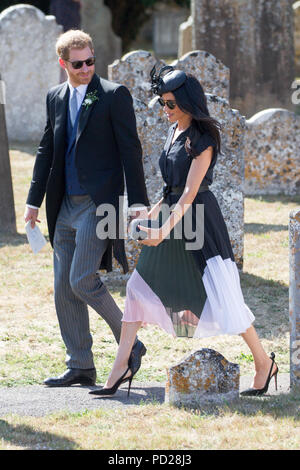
{"points": [[82, 248], [84, 278], [72, 312]]}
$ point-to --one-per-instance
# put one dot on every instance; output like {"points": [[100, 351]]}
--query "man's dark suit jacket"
{"points": [[107, 146]]}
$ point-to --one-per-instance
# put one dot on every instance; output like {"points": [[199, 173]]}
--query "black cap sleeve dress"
{"points": [[189, 284]]}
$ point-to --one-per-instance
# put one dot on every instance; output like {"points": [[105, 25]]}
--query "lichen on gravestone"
{"points": [[203, 376]]}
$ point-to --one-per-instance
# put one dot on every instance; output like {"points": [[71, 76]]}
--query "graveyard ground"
{"points": [[31, 348]]}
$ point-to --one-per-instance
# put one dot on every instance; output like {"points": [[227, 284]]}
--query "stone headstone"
{"points": [[185, 37], [166, 22], [294, 298], [133, 71], [272, 153], [254, 38], [229, 172], [27, 40], [203, 377], [212, 74], [96, 21]]}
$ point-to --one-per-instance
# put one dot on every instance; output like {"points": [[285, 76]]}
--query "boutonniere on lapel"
{"points": [[90, 98]]}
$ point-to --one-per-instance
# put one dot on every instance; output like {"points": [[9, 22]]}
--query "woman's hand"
{"points": [[154, 236]]}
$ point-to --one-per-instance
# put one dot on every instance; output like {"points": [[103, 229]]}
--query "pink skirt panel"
{"points": [[142, 304]]}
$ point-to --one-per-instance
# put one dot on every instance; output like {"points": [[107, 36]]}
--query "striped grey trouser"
{"points": [[77, 256]]}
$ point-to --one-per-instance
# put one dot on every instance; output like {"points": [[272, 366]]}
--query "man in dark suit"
{"points": [[90, 141]]}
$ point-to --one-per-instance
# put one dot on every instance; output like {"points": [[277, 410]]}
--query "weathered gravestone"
{"points": [[96, 21], [272, 153], [7, 207], [27, 39], [166, 21], [254, 38], [213, 75], [296, 8], [185, 37], [203, 377], [294, 298], [133, 71]]}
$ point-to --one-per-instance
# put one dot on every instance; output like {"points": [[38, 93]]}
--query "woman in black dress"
{"points": [[186, 280]]}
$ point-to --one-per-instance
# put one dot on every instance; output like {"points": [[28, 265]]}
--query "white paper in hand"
{"points": [[35, 238]]}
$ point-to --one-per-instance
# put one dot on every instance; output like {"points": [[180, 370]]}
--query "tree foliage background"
{"points": [[128, 16], [41, 4]]}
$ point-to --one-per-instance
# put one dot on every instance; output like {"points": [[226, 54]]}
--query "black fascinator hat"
{"points": [[167, 79], [190, 98]]}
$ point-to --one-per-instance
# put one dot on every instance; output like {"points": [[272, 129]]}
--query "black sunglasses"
{"points": [[170, 103], [77, 64]]}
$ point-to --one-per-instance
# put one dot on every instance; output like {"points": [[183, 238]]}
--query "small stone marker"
{"points": [[204, 376], [294, 294]]}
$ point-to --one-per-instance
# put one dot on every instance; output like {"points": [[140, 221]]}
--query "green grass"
{"points": [[257, 423]]}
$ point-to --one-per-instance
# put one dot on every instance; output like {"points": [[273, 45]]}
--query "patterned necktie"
{"points": [[73, 107]]}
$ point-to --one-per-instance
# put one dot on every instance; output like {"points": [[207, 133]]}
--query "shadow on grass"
{"points": [[282, 405], [27, 437], [282, 198], [14, 239], [250, 280], [279, 406], [269, 302], [264, 228], [25, 147], [151, 395]]}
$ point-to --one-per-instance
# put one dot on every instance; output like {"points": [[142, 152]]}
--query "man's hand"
{"points": [[138, 214], [31, 214]]}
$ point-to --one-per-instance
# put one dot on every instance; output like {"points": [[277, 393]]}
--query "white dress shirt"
{"points": [[81, 91]]}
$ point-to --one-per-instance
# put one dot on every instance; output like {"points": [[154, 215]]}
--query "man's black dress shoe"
{"points": [[135, 358], [72, 377]]}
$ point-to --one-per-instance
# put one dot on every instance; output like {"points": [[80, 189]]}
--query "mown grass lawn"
{"points": [[31, 347]]}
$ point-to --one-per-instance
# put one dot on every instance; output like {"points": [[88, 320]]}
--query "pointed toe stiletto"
{"points": [[108, 392], [255, 392]]}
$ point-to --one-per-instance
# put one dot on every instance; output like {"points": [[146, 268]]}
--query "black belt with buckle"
{"points": [[179, 190]]}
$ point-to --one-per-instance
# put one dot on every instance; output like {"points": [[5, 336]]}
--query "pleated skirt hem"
{"points": [[224, 311]]}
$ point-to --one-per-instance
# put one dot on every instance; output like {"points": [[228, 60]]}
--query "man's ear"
{"points": [[62, 63]]}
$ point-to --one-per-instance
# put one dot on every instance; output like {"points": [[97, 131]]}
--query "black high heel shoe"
{"points": [[255, 392], [105, 392]]}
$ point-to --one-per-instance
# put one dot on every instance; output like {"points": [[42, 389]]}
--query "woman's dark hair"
{"points": [[191, 99]]}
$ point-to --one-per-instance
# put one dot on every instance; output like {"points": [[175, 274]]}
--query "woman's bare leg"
{"points": [[262, 361], [128, 335]]}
